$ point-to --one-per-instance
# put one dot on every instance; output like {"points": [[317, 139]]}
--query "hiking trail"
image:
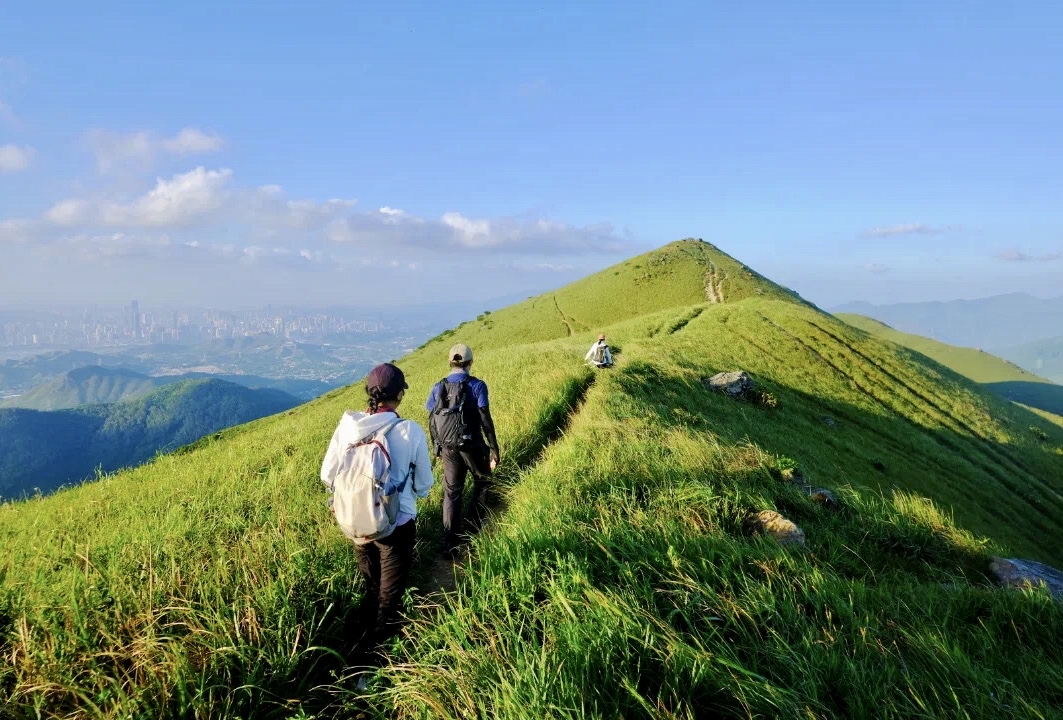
{"points": [[562, 315], [713, 285], [442, 574]]}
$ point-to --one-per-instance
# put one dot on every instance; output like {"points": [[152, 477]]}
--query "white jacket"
{"points": [[607, 359], [407, 446]]}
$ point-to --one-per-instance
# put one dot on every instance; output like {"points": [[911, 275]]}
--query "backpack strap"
{"points": [[410, 474], [462, 385]]}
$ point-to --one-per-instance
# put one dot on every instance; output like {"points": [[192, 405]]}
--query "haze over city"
{"points": [[340, 153]]}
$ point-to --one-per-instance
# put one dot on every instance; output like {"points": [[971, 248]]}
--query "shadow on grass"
{"points": [[1008, 493]]}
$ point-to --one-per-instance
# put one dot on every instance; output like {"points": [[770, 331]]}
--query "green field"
{"points": [[620, 577]]}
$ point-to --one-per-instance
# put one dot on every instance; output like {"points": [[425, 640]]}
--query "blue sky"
{"points": [[331, 152]]}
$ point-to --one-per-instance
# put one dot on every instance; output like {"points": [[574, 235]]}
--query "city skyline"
{"points": [[112, 327]]}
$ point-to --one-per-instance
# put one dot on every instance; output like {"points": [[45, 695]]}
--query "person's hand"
{"points": [[494, 460]]}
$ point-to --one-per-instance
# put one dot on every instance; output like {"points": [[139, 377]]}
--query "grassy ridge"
{"points": [[622, 579], [676, 275], [630, 587]]}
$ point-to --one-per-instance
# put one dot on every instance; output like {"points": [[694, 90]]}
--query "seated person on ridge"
{"points": [[599, 353]]}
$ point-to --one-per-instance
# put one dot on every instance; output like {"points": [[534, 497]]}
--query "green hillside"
{"points": [[41, 368], [622, 577], [85, 386], [45, 450], [1000, 376]]}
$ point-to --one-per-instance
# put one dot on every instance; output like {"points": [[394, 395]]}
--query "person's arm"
{"points": [[488, 426], [430, 405], [331, 463], [423, 479], [608, 356]]}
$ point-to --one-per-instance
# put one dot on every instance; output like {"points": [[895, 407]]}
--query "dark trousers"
{"points": [[385, 565], [457, 464]]}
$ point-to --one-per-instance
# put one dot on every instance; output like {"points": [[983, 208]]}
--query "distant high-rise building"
{"points": [[136, 319]]}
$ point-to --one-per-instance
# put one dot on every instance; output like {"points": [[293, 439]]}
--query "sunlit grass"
{"points": [[620, 578]]}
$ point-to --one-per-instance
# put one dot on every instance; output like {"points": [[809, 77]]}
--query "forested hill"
{"points": [[86, 386], [42, 450], [822, 546], [101, 384]]}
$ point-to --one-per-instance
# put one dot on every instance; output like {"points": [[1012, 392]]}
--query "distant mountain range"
{"points": [[99, 384], [260, 356], [992, 323], [44, 450]]}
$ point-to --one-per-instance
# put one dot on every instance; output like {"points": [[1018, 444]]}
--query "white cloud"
{"points": [[17, 230], [198, 198], [267, 209], [453, 230], [191, 141], [70, 212], [138, 151], [1015, 255], [14, 158], [202, 220], [904, 229], [180, 201]]}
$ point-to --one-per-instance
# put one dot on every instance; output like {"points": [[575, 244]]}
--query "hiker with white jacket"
{"points": [[385, 557], [599, 353]]}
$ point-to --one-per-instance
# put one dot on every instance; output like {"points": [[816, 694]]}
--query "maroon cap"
{"points": [[388, 378]]}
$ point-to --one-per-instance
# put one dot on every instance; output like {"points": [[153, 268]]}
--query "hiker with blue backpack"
{"points": [[463, 436], [376, 466]]}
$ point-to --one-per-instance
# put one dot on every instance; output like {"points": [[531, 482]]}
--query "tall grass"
{"points": [[623, 582], [621, 578]]}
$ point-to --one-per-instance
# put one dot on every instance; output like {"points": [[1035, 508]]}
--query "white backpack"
{"points": [[365, 501]]}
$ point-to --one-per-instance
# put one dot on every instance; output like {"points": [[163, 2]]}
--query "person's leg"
{"points": [[478, 461], [396, 560], [454, 472], [369, 563]]}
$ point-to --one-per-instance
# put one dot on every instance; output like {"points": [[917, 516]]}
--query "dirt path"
{"points": [[713, 285], [563, 318]]}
